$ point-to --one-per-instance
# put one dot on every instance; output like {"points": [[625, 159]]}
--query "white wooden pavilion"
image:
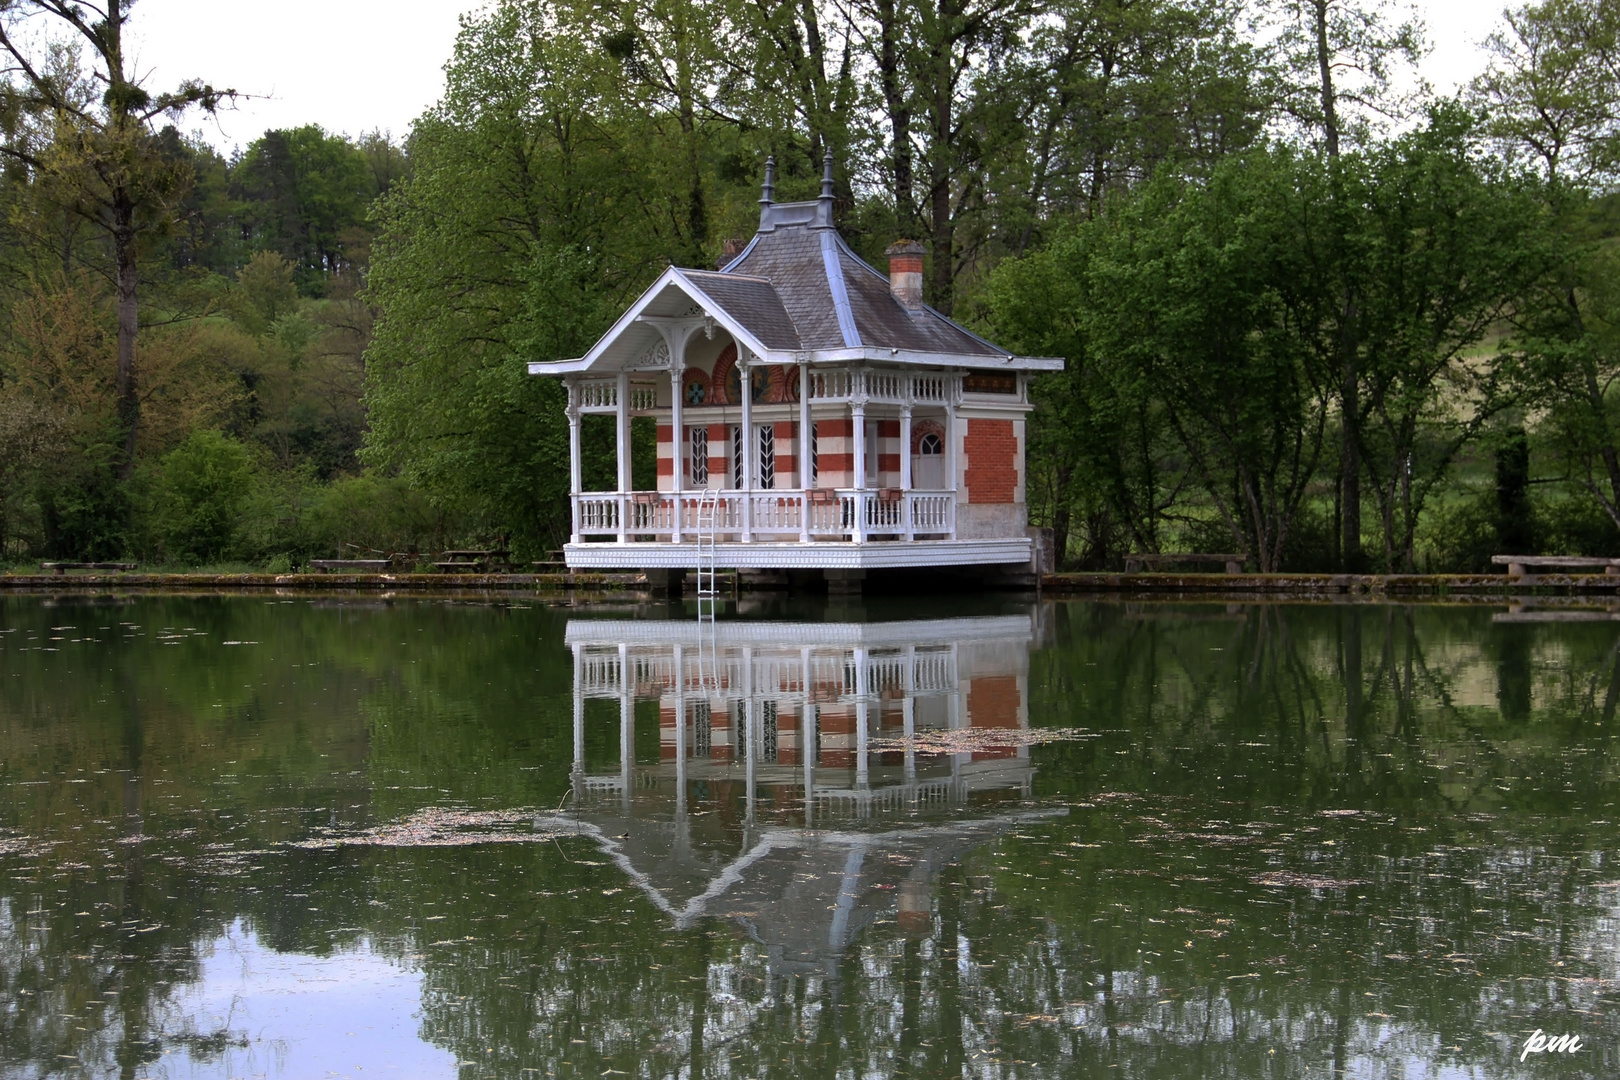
{"points": [[812, 414]]}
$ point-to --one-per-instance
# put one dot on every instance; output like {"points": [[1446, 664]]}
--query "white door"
{"points": [[928, 466]]}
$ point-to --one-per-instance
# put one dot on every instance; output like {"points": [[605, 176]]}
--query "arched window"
{"points": [[930, 445]]}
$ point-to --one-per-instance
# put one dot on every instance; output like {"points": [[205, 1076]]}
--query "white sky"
{"points": [[355, 65]]}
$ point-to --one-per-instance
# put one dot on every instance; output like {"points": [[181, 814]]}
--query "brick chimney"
{"points": [[905, 273], [729, 250]]}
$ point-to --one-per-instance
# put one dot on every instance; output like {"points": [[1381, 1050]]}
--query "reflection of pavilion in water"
{"points": [[768, 803]]}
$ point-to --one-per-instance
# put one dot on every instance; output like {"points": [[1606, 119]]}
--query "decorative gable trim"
{"points": [[672, 276]]}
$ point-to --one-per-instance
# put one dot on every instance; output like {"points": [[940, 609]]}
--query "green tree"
{"points": [[303, 192], [102, 162], [1330, 68], [1550, 87], [1205, 289], [1446, 239], [521, 232], [1099, 443]]}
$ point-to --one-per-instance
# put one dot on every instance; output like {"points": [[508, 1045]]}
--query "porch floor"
{"points": [[821, 555]]}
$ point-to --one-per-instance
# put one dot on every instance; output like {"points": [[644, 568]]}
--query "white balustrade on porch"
{"points": [[602, 396], [821, 676], [822, 514], [598, 394], [880, 387]]}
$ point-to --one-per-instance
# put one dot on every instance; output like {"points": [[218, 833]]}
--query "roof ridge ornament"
{"points": [[812, 214]]}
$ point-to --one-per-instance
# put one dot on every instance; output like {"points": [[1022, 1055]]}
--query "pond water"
{"points": [[251, 836]]}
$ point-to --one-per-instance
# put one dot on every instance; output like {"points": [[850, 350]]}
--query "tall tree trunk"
{"points": [[942, 270], [1350, 554], [1062, 516], [129, 400], [899, 114], [697, 211], [1324, 63]]}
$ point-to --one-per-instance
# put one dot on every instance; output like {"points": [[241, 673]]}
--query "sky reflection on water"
{"points": [[244, 837]]}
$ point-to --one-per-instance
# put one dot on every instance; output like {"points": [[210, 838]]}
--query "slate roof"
{"points": [[754, 302], [833, 299], [798, 288]]}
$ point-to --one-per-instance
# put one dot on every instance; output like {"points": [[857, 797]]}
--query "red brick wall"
{"points": [[787, 465], [666, 465], [992, 702], [719, 455], [992, 461]]}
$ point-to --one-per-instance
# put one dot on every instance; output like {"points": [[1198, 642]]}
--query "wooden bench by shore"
{"points": [[61, 568], [358, 566], [487, 561], [1136, 561], [1519, 566]]}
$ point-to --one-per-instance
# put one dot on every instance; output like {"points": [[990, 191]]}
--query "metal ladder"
{"points": [[708, 589]]}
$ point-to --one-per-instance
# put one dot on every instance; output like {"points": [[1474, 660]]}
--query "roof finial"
{"points": [[768, 196], [827, 176]]}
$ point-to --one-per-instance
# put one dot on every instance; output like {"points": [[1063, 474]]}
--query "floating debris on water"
{"points": [[440, 827], [970, 740], [1287, 878]]}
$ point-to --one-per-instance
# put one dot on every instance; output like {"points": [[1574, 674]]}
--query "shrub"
{"points": [[199, 496]]}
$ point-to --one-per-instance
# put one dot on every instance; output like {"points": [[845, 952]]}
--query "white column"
{"points": [[862, 779], [905, 447], [804, 426], [623, 416], [957, 718], [908, 706], [677, 436], [627, 727], [680, 734], [575, 483], [579, 715], [905, 471], [802, 455], [807, 742], [857, 420], [953, 393], [748, 437], [750, 739]]}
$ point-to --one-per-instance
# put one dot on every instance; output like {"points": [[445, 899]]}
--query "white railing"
{"points": [[837, 384], [643, 397], [934, 671], [876, 386], [819, 515], [834, 676], [930, 388], [885, 385], [882, 386], [599, 394]]}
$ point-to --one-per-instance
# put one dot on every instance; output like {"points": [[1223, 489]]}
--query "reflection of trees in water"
{"points": [[1078, 965], [1330, 704], [1475, 755]]}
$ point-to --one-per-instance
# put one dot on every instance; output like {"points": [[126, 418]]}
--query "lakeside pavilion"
{"points": [[813, 414]]}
